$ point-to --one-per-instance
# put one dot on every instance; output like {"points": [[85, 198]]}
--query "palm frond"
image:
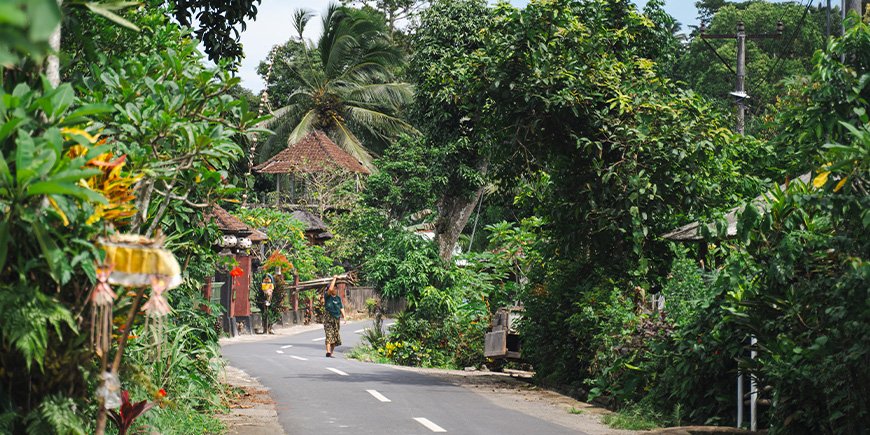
{"points": [[365, 72], [276, 118], [379, 123], [383, 53], [343, 46], [348, 141], [303, 127], [331, 27], [392, 95], [301, 17]]}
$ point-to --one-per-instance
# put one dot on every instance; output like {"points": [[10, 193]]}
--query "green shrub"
{"points": [[631, 418]]}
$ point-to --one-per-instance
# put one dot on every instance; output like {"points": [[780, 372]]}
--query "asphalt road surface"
{"points": [[319, 395]]}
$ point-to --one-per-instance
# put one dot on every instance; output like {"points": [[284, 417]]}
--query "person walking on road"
{"points": [[334, 312]]}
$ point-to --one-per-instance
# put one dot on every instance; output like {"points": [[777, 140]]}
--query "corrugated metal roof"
{"points": [[692, 231]]}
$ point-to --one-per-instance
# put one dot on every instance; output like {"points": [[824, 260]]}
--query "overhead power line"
{"points": [[786, 52]]}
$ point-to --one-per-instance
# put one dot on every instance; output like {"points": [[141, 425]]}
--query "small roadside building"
{"points": [[693, 232], [232, 289]]}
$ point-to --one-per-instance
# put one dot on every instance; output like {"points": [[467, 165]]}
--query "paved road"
{"points": [[319, 395]]}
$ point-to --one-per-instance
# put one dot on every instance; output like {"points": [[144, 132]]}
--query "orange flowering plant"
{"points": [[116, 186]]}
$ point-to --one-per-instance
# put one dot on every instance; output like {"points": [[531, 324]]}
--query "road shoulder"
{"points": [[252, 409]]}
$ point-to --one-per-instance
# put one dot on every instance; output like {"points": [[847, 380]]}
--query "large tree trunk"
{"points": [[453, 214], [52, 67], [854, 6]]}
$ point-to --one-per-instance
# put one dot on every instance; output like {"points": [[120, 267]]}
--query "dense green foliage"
{"points": [[44, 248], [142, 145], [447, 119], [808, 254], [406, 179], [549, 99], [627, 158], [768, 61], [216, 24], [449, 305], [26, 30]]}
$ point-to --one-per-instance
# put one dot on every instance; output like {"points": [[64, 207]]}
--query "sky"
{"points": [[272, 26]]}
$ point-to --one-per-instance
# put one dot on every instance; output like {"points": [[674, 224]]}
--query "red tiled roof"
{"points": [[258, 236], [226, 222], [313, 153]]}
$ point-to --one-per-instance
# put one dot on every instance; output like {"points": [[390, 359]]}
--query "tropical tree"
{"points": [[345, 84], [394, 10], [448, 114]]}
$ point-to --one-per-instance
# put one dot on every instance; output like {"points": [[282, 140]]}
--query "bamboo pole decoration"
{"points": [[264, 103], [116, 363]]}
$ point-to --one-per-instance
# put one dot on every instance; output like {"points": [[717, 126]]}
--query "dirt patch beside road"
{"points": [[252, 410]]}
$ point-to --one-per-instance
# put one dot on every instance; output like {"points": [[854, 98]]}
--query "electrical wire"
{"points": [[788, 47], [781, 17], [724, 62]]}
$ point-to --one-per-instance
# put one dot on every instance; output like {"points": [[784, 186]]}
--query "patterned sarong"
{"points": [[331, 327]]}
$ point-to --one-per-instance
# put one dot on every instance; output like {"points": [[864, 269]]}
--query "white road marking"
{"points": [[429, 425], [319, 339], [359, 330], [298, 357], [337, 371], [287, 346], [279, 351], [378, 396]]}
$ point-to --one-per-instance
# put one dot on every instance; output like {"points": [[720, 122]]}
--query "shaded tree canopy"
{"points": [[216, 24]]}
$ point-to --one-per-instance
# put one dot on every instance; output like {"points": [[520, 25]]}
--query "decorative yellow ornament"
{"points": [[136, 259]]}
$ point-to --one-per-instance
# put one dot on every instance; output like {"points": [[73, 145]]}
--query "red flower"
{"points": [[237, 272], [161, 392]]}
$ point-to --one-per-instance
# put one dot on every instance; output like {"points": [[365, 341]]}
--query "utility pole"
{"points": [[739, 93], [740, 85], [740, 98]]}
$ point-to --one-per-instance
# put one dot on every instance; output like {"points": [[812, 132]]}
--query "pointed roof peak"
{"points": [[315, 152], [225, 221]]}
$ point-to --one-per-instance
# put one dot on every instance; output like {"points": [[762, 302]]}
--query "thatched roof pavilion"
{"points": [[315, 152]]}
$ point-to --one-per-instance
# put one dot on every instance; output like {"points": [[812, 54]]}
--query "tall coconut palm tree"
{"points": [[345, 86]]}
